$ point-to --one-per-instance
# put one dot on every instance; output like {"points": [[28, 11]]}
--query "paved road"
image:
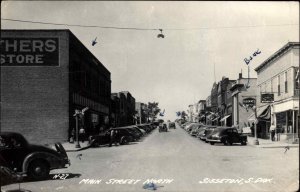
{"points": [[181, 162]]}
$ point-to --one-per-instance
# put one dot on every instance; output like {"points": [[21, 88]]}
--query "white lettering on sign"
{"points": [[29, 51]]}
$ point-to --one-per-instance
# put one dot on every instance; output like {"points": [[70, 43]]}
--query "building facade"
{"points": [[224, 115], [141, 116], [45, 76], [278, 89], [243, 88]]}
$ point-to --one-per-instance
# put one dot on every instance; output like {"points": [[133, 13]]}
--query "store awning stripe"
{"points": [[225, 117], [263, 113]]}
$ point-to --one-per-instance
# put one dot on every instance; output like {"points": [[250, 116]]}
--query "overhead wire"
{"points": [[142, 29]]}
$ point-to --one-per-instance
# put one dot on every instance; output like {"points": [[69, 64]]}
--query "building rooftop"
{"points": [[281, 51]]}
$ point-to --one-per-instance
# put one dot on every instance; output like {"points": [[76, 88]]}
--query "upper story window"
{"points": [[285, 83], [278, 85], [271, 85], [297, 79]]}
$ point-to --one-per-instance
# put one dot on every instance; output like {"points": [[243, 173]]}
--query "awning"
{"points": [[263, 114], [209, 116], [225, 117], [215, 119]]}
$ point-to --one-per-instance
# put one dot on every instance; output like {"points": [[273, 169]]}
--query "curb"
{"points": [[283, 146], [80, 149]]}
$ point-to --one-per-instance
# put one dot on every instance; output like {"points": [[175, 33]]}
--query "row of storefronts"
{"points": [[273, 96]]}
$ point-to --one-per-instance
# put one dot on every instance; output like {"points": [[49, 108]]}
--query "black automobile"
{"points": [[163, 127], [135, 133], [35, 161], [172, 125], [145, 127], [123, 136], [227, 136]]}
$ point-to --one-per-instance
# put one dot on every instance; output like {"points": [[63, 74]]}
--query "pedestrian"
{"points": [[72, 136], [252, 129], [272, 129], [81, 134], [112, 137], [101, 129]]}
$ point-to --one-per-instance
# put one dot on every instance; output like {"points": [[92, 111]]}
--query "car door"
{"points": [[229, 135], [235, 136]]}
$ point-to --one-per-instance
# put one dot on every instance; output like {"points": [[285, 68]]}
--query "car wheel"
{"points": [[38, 170], [124, 141], [212, 143], [225, 142]]}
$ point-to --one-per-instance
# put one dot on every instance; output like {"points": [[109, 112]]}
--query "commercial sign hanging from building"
{"points": [[267, 97], [29, 51], [250, 102]]}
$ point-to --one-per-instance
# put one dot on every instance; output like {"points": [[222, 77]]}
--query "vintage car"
{"points": [[35, 161], [227, 136], [172, 125], [124, 136], [163, 127], [207, 131]]}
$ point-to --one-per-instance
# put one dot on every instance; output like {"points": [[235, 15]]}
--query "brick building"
{"points": [[124, 108], [45, 76]]}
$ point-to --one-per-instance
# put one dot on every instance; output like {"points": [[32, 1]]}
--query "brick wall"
{"points": [[35, 99]]}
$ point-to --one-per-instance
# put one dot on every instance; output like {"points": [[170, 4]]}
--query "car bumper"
{"points": [[214, 140]]}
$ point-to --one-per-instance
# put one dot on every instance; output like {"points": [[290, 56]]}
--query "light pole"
{"points": [[77, 115], [256, 142]]}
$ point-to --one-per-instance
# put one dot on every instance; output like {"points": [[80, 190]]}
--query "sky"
{"points": [[204, 41]]}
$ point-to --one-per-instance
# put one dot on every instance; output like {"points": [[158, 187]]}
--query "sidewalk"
{"points": [[70, 147], [267, 143]]}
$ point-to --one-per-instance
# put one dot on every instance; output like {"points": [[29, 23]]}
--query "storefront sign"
{"points": [[250, 102], [267, 97], [29, 51]]}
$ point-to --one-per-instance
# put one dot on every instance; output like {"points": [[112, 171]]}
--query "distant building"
{"points": [[141, 116], [224, 116], [45, 76], [115, 110], [278, 90], [201, 111], [130, 108], [125, 105]]}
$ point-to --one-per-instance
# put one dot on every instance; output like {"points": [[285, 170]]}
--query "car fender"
{"points": [[52, 160], [224, 137]]}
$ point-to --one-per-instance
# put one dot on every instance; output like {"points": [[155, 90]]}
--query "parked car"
{"points": [[227, 136], [135, 133], [207, 130], [192, 126], [196, 129], [200, 132], [172, 125], [188, 126], [145, 127], [124, 136], [35, 161]]}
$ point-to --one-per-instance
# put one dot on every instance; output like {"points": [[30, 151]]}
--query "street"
{"points": [[175, 161]]}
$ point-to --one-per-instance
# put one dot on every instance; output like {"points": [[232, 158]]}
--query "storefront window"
{"points": [[281, 122], [297, 79]]}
